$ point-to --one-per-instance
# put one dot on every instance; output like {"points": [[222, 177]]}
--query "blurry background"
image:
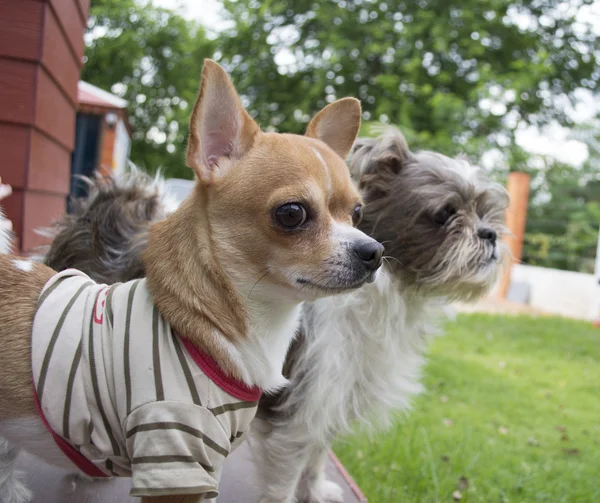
{"points": [[510, 83]]}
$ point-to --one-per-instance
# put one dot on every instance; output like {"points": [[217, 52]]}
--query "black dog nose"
{"points": [[371, 254], [487, 234]]}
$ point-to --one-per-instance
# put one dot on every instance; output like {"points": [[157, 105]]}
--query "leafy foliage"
{"points": [[457, 77], [564, 217], [154, 56]]}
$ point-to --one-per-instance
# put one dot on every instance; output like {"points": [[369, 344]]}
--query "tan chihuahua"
{"points": [[157, 379]]}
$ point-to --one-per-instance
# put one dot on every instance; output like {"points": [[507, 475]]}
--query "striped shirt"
{"points": [[125, 396]]}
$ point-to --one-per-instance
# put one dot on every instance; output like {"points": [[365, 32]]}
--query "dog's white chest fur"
{"points": [[262, 355], [364, 355]]}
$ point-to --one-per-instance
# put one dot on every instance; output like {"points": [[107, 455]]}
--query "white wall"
{"points": [[566, 293], [179, 189], [121, 148]]}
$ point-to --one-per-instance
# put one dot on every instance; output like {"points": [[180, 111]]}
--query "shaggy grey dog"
{"points": [[359, 356]]}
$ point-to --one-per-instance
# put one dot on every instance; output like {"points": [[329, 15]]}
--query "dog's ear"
{"points": [[388, 153], [220, 127], [390, 161], [337, 125], [396, 152]]}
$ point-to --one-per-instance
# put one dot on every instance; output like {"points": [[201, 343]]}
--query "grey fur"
{"points": [[107, 232], [404, 190], [12, 490]]}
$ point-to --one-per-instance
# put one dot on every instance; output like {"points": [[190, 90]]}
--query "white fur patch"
{"points": [[346, 232], [327, 175], [379, 332], [464, 168], [362, 362], [319, 156], [23, 265], [273, 320], [31, 435]]}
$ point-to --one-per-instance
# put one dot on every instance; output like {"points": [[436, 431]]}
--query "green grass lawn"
{"points": [[511, 414]]}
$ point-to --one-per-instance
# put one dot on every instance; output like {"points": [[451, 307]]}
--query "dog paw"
{"points": [[15, 491], [324, 491]]}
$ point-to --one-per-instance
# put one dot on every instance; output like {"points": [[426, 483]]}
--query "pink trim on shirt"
{"points": [[211, 368], [80, 461]]}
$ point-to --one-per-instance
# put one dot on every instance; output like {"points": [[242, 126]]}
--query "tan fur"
{"points": [[337, 125], [219, 95], [19, 292], [191, 290], [224, 224]]}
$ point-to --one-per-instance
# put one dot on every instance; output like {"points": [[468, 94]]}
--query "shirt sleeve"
{"points": [[175, 448]]}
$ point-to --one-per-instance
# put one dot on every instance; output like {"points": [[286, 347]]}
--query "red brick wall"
{"points": [[41, 54]]}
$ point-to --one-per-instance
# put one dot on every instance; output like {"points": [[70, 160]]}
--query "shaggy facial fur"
{"points": [[439, 218], [359, 356]]}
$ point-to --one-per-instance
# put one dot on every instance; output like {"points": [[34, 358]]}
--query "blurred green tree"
{"points": [[455, 75], [152, 57], [564, 211]]}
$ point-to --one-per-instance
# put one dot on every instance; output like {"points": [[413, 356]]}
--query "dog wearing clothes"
{"points": [[159, 378]]}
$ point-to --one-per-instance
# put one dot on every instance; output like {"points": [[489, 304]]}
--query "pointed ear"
{"points": [[337, 125], [219, 128]]}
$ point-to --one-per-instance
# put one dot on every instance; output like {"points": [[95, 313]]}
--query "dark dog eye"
{"points": [[357, 215], [290, 215], [443, 215]]}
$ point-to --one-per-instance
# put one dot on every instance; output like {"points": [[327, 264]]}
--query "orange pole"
{"points": [[597, 277], [107, 145], [516, 217]]}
